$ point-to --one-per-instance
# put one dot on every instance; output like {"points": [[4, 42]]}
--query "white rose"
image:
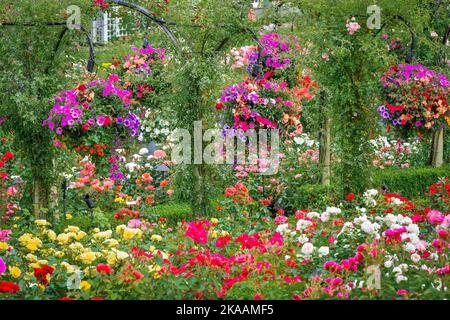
{"points": [[410, 247], [415, 257], [325, 216], [307, 248]]}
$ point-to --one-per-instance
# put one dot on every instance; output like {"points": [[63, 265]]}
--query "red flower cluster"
{"points": [[101, 4], [104, 268], [41, 274], [350, 197], [9, 287], [5, 158], [123, 212], [239, 193], [96, 149], [440, 190]]}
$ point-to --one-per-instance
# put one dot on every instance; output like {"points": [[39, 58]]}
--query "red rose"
{"points": [[219, 106], [8, 156], [86, 126], [268, 74], [104, 268], [41, 274], [82, 87], [350, 197], [231, 191]]}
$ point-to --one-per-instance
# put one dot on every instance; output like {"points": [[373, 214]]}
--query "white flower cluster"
{"points": [[304, 140], [329, 211], [285, 230], [369, 197]]}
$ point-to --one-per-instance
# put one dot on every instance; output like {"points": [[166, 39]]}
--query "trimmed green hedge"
{"points": [[313, 197], [173, 211], [411, 182]]}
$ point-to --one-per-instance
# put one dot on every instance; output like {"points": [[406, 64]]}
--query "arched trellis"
{"points": [[255, 69], [160, 22], [91, 61], [413, 44]]}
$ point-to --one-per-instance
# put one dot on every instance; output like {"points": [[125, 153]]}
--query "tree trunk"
{"points": [[199, 201], [437, 148], [39, 198]]}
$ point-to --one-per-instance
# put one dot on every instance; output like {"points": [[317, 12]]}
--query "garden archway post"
{"points": [[199, 201], [41, 190], [437, 141]]}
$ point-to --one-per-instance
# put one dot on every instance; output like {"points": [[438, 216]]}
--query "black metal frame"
{"points": [[255, 70], [412, 47]]}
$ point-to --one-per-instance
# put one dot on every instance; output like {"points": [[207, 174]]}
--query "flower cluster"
{"points": [[393, 153], [352, 26], [82, 109], [310, 255]]}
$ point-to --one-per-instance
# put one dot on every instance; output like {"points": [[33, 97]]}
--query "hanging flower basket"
{"points": [[417, 99]]}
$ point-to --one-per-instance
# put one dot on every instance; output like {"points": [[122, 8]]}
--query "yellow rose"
{"points": [[214, 234], [102, 235], [68, 267], [3, 246], [33, 244], [214, 220], [76, 246], [69, 216], [111, 243], [114, 255], [63, 238], [130, 233], [80, 235], [87, 257], [111, 258], [156, 237], [120, 228], [15, 272], [119, 200], [72, 229], [59, 254], [41, 222], [84, 285], [31, 257]]}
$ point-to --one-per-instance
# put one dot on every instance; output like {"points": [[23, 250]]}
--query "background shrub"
{"points": [[411, 182]]}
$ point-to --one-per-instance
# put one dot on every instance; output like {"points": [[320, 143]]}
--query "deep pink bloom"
{"points": [[435, 217]]}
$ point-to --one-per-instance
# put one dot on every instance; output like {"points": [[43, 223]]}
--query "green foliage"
{"points": [[410, 183], [33, 65], [174, 212], [313, 197]]}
